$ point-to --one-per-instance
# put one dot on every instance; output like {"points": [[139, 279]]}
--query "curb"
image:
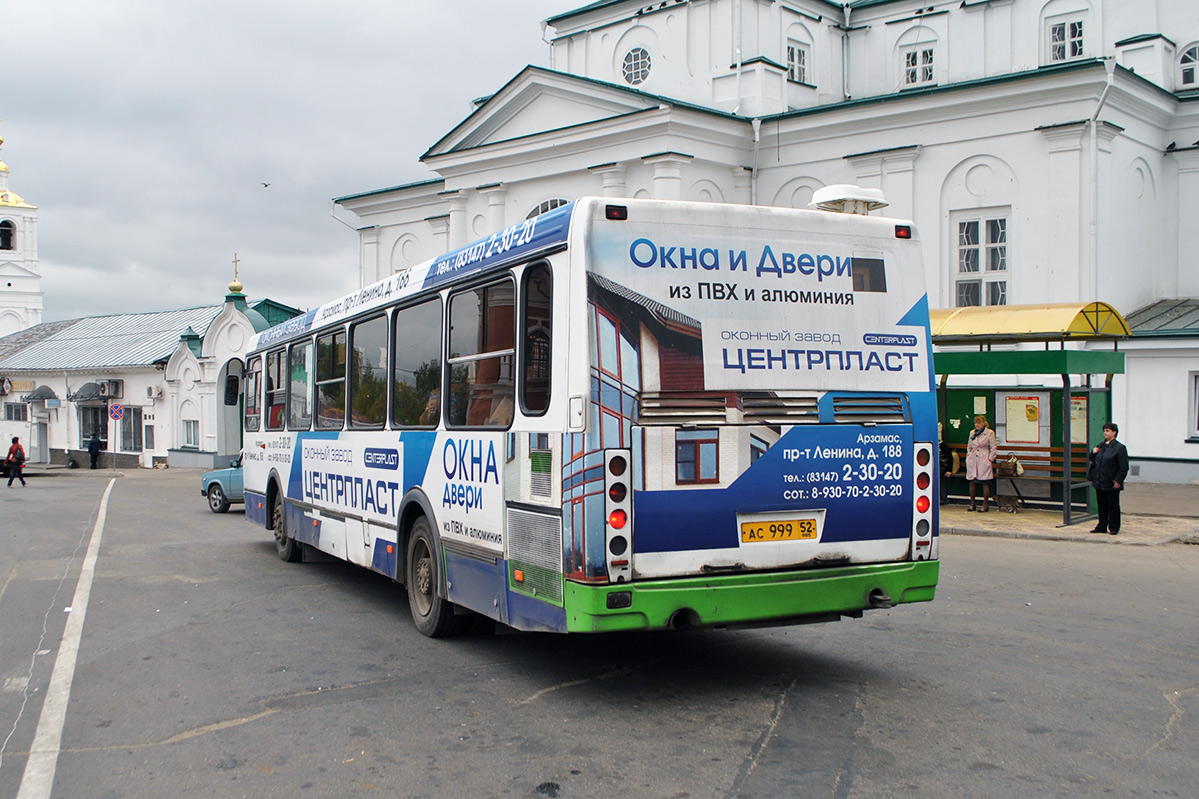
{"points": [[1187, 537]]}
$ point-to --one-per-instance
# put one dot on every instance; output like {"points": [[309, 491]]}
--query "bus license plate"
{"points": [[778, 530]]}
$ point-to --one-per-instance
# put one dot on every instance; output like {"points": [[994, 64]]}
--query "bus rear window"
{"points": [[537, 316]]}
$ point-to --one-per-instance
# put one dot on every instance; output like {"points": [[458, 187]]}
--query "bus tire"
{"points": [[290, 550], [432, 615]]}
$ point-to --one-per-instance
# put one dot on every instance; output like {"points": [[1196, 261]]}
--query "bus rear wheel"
{"points": [[289, 549], [432, 615]]}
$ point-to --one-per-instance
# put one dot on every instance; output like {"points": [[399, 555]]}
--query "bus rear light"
{"points": [[518, 575], [618, 515], [616, 212], [923, 546], [903, 231]]}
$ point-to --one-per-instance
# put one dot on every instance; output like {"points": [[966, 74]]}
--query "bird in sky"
{"points": [[265, 185]]}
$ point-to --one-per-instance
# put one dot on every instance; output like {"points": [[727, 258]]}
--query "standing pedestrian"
{"points": [[945, 460], [93, 449], [1106, 469], [980, 454], [15, 460]]}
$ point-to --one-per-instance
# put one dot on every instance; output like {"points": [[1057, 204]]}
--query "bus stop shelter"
{"points": [[1018, 341]]}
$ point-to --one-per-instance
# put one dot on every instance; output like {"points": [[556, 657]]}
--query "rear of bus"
{"points": [[760, 418]]}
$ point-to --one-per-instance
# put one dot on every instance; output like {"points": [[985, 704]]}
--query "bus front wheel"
{"points": [[289, 549], [432, 615]]}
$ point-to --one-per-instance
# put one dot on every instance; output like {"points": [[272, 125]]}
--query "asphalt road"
{"points": [[209, 668]]}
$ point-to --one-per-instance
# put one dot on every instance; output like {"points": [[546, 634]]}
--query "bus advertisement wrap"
{"points": [[811, 311]]}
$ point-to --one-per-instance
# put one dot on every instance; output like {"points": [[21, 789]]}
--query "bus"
{"points": [[621, 414]]}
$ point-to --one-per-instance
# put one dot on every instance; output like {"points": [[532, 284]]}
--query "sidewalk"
{"points": [[1153, 513]]}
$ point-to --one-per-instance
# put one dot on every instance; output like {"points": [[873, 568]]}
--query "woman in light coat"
{"points": [[980, 454]]}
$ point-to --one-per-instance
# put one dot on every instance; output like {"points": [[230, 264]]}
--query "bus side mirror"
{"points": [[232, 389]]}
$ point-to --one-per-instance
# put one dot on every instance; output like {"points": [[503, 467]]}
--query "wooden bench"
{"points": [[1043, 464]]}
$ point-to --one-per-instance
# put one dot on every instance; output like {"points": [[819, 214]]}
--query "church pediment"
{"points": [[538, 101], [10, 269]]}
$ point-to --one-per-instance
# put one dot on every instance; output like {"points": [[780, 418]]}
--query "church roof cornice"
{"points": [[452, 140]]}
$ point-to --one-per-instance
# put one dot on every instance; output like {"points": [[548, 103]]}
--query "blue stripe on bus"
{"points": [[542, 233], [659, 526], [383, 561], [418, 447]]}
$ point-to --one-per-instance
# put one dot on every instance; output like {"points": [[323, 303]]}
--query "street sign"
{"points": [[116, 411]]}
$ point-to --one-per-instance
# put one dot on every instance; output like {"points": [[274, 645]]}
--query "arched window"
{"points": [[1189, 64], [8, 235], [548, 205]]}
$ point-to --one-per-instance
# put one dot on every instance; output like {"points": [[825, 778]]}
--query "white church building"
{"points": [[1047, 151]]}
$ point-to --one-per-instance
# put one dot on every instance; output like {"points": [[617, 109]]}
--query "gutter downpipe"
{"points": [[361, 265], [737, 49], [1110, 65], [753, 174], [845, 54]]}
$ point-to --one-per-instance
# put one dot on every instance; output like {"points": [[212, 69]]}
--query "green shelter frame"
{"points": [[1012, 325]]}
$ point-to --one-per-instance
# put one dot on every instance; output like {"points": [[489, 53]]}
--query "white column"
{"points": [[496, 194], [441, 232], [612, 179], [742, 184], [459, 224], [668, 174], [1188, 233], [1064, 244], [368, 271]]}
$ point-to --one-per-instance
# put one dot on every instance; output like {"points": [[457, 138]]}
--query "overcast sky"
{"points": [[143, 130]]}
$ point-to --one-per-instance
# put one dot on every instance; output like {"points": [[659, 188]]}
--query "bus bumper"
{"points": [[757, 599]]}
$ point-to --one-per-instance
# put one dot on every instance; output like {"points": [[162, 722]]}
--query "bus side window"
{"points": [[331, 381], [482, 349], [276, 390], [416, 373], [299, 392], [537, 317], [368, 373], [251, 388]]}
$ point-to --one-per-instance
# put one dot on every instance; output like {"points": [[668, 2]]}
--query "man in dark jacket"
{"points": [[1107, 468], [93, 449]]}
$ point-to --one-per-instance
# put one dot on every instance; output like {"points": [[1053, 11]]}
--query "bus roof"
{"points": [[534, 237]]}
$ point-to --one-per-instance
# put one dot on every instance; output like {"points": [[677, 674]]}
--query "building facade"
{"points": [[151, 386], [20, 276], [1047, 150]]}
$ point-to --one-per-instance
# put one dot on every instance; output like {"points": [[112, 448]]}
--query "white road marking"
{"points": [[38, 780]]}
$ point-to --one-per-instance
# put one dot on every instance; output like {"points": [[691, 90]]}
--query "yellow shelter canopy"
{"points": [[1011, 323]]}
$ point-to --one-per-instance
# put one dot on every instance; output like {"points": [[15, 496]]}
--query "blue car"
{"points": [[223, 487]]}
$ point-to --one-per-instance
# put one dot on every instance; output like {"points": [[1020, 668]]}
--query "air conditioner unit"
{"points": [[112, 389]]}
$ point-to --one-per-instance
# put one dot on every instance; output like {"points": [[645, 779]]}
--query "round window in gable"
{"points": [[636, 66]]}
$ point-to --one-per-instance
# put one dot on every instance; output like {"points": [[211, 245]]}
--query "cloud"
{"points": [[144, 130]]}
